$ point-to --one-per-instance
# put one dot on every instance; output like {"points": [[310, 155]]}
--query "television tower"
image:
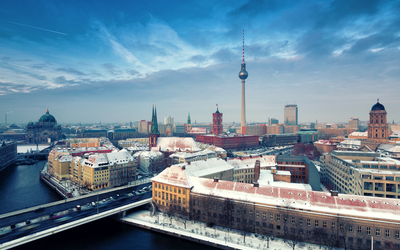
{"points": [[243, 75]]}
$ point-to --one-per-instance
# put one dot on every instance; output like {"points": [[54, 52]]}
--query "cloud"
{"points": [[71, 71], [63, 81], [112, 69], [9, 87]]}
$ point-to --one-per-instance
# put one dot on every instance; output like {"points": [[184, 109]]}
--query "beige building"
{"points": [[109, 170], [362, 173], [331, 219]]}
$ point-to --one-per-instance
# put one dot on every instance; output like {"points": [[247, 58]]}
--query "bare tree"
{"points": [[292, 227], [345, 228]]}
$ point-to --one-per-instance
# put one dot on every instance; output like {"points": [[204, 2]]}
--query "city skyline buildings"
{"points": [[291, 115], [333, 58]]}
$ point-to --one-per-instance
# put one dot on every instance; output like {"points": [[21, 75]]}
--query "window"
{"points": [[278, 217], [378, 232], [265, 216], [300, 221], [293, 220], [271, 216], [324, 224], [350, 228], [316, 223], [359, 230], [250, 213], [257, 214], [271, 226], [368, 231], [183, 201], [333, 225], [397, 234], [308, 222], [387, 233], [179, 200], [238, 219]]}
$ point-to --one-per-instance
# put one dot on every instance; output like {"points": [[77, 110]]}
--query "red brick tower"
{"points": [[217, 123]]}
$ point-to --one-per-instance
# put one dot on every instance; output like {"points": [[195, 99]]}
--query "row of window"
{"points": [[173, 198], [165, 187], [342, 226]]}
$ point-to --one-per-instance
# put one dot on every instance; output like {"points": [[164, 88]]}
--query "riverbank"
{"points": [[198, 232]]}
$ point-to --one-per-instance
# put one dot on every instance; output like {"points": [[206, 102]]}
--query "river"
{"points": [[20, 187]]}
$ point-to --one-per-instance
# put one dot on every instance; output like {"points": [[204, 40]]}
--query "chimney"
{"points": [[334, 192], [256, 184], [183, 167], [257, 170], [216, 179]]}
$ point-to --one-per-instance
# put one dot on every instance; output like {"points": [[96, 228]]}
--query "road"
{"points": [[67, 212]]}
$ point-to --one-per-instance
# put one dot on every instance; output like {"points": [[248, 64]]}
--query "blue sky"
{"points": [[109, 61]]}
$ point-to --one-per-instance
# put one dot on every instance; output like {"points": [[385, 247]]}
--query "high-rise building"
{"points": [[143, 127], [354, 123], [168, 120], [243, 75], [217, 123], [273, 121], [290, 115]]}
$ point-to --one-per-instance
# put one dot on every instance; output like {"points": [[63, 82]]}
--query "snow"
{"points": [[177, 144], [198, 230], [206, 167], [313, 201], [26, 148], [174, 175]]}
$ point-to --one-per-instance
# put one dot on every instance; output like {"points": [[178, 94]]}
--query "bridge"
{"points": [[23, 226]]}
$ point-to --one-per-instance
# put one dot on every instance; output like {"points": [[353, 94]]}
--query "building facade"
{"points": [[290, 115], [44, 130], [323, 218], [217, 123]]}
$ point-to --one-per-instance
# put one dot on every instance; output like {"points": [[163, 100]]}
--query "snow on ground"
{"points": [[200, 231], [25, 148]]}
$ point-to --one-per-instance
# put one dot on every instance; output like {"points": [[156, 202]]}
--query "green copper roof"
{"points": [[154, 123], [188, 122]]}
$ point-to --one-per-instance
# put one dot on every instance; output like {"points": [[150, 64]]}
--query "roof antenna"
{"points": [[243, 46]]}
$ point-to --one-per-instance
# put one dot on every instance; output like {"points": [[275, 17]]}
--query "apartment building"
{"points": [[362, 173]]}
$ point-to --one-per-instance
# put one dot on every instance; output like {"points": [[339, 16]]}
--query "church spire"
{"points": [[154, 123], [188, 121]]}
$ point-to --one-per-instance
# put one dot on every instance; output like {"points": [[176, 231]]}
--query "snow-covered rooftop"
{"points": [[108, 159], [265, 161], [361, 134], [173, 175], [315, 201], [177, 144], [206, 167]]}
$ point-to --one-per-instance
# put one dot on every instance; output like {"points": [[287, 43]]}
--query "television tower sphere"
{"points": [[243, 73]]}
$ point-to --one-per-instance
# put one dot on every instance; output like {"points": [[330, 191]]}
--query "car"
{"points": [[28, 221], [39, 209], [78, 207], [93, 204]]}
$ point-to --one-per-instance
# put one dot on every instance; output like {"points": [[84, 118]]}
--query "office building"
{"points": [[290, 115]]}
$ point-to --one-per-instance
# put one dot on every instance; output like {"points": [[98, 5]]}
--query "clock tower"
{"points": [[217, 123]]}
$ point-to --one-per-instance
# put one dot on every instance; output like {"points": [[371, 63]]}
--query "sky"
{"points": [[110, 61]]}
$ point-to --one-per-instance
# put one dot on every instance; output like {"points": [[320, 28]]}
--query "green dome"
{"points": [[47, 118]]}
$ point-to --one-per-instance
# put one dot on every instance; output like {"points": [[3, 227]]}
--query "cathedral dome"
{"points": [[377, 107], [47, 118]]}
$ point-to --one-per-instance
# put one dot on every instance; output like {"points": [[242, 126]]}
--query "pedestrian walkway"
{"points": [[218, 237]]}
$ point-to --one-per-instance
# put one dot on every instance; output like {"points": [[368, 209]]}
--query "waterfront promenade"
{"points": [[198, 232]]}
